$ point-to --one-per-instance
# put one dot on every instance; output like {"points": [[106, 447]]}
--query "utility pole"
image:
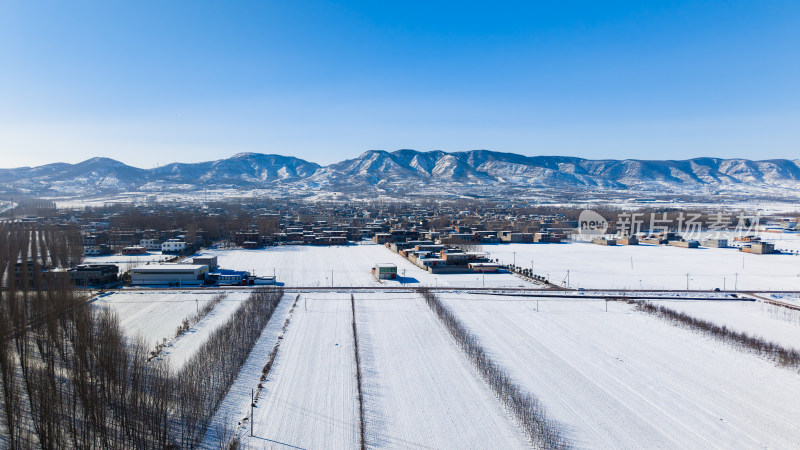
{"points": [[687, 281], [252, 404], [197, 304]]}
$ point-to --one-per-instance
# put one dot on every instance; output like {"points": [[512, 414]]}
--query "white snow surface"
{"points": [[652, 267], [420, 391], [236, 404], [180, 350], [624, 379], [155, 315], [310, 397], [349, 265], [774, 323]]}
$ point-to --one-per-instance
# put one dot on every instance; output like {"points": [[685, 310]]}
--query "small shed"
{"points": [[385, 271]]}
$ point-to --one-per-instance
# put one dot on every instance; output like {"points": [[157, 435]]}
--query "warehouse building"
{"points": [[229, 277], [94, 274], [210, 261], [169, 275], [628, 240], [685, 244], [759, 248], [715, 243]]}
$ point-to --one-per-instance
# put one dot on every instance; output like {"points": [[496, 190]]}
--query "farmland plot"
{"points": [[773, 323], [652, 267], [156, 315], [236, 404], [347, 266], [181, 349], [310, 397], [623, 379], [419, 390]]}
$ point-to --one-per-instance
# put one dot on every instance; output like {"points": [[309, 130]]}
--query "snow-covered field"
{"points": [[156, 315], [652, 267], [236, 404], [420, 391], [347, 266], [623, 379], [310, 397], [613, 379], [774, 323]]}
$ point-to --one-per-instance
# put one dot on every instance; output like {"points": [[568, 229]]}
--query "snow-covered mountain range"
{"points": [[407, 171]]}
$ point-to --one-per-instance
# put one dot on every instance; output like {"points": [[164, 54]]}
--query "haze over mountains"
{"points": [[407, 171]]}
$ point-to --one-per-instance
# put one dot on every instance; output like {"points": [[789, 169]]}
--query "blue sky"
{"points": [[152, 82]]}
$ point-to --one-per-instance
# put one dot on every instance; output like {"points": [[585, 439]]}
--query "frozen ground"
{"points": [[236, 404], [652, 267], [156, 315], [179, 350], [420, 391], [774, 323], [623, 379], [347, 266], [310, 398]]}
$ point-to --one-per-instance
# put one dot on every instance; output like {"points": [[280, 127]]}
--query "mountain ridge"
{"points": [[404, 171]]}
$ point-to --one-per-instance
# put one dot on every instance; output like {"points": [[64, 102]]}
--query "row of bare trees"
{"points": [[359, 389], [70, 378], [783, 356], [529, 412], [274, 353], [73, 380], [187, 323], [192, 320], [205, 379], [28, 252]]}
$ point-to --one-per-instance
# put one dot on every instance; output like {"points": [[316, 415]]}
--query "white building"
{"points": [[169, 275], [150, 244], [173, 246]]}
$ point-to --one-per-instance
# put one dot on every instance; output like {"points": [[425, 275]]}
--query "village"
{"points": [[145, 245]]}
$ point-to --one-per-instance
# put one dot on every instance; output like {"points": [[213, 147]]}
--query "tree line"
{"points": [[359, 389], [782, 356], [70, 378], [205, 379], [529, 412]]}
